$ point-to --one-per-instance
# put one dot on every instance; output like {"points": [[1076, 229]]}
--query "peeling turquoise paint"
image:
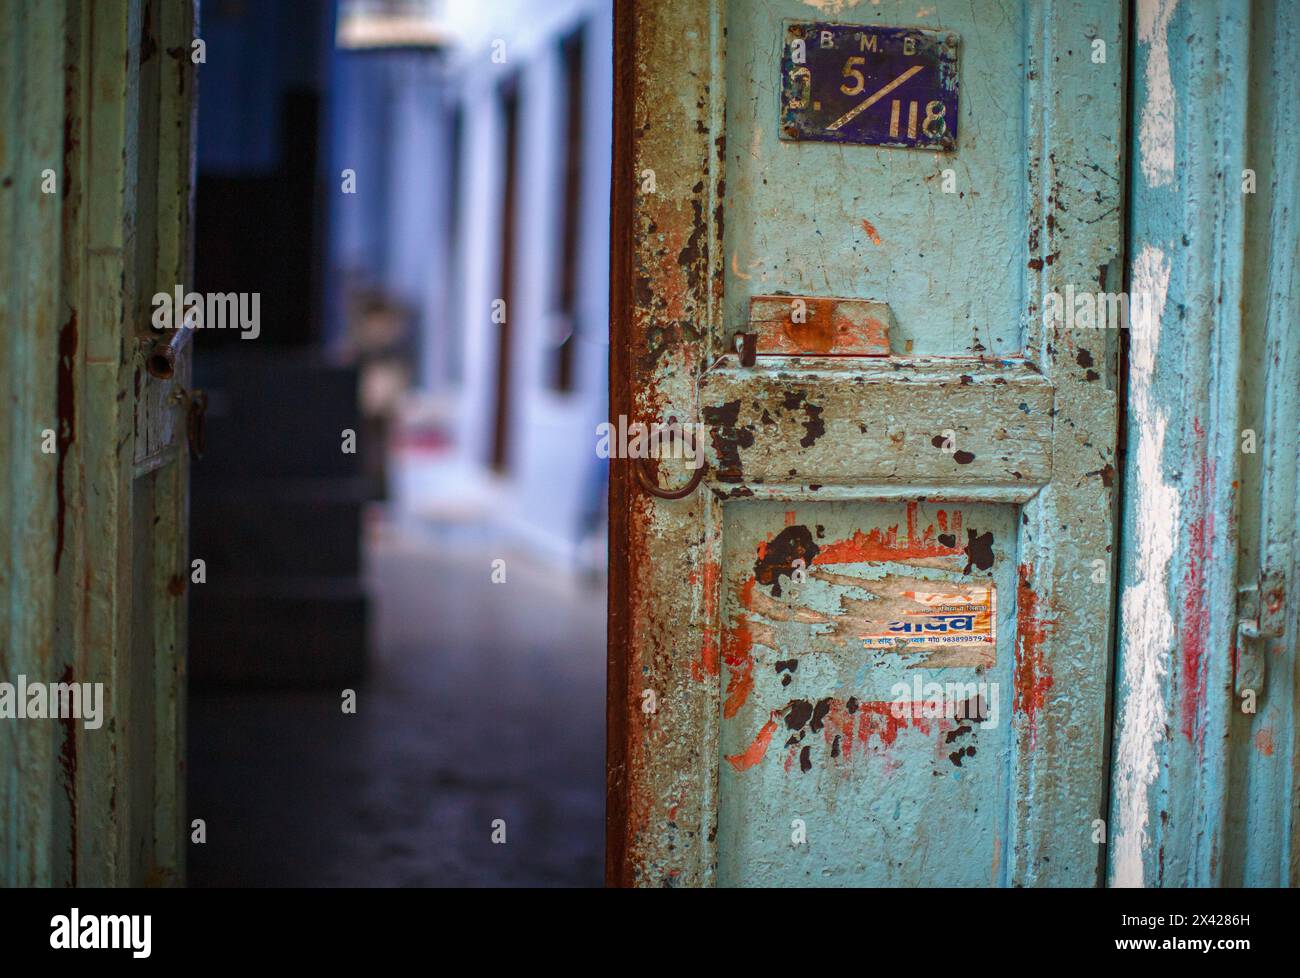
{"points": [[1204, 794]]}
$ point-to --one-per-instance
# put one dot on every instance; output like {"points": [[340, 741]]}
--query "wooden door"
{"points": [[911, 452], [95, 211]]}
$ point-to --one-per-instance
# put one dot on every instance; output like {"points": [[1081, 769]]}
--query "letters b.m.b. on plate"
{"points": [[878, 86]]}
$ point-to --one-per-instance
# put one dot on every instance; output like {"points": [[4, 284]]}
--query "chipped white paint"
{"points": [[834, 6], [1156, 132], [1144, 612]]}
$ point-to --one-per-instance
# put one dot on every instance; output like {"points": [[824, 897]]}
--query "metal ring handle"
{"points": [[649, 484]]}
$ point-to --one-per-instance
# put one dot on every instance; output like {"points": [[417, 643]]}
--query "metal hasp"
{"points": [[196, 422], [163, 404], [797, 325], [879, 86], [1261, 616]]}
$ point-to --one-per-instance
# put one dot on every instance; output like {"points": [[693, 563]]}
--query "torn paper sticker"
{"points": [[953, 627]]}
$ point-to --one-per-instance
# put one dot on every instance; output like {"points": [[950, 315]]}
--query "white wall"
{"points": [[394, 127], [552, 464]]}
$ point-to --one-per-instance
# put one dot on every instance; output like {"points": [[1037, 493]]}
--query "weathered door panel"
{"points": [[972, 466], [813, 218], [809, 728]]}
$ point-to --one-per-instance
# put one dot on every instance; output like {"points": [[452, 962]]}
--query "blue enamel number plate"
{"points": [[878, 86]]}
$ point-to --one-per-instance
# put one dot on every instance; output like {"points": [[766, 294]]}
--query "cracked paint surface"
{"points": [[1145, 610], [1156, 128]]}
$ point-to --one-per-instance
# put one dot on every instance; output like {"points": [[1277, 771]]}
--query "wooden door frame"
{"points": [[621, 483], [695, 281]]}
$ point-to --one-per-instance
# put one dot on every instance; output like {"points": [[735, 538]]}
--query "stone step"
{"points": [[279, 632], [273, 528], [277, 415]]}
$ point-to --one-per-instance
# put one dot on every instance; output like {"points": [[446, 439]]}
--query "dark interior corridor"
{"points": [[484, 702]]}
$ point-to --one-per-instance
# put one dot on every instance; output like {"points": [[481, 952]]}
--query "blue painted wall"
{"points": [[255, 53]]}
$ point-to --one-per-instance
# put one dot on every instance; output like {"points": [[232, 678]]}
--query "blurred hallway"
{"points": [[484, 701]]}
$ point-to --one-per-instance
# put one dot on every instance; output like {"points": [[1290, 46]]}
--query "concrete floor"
{"points": [[485, 701]]}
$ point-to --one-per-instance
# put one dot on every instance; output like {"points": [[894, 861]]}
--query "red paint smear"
{"points": [[1032, 678], [737, 652], [1196, 616], [883, 545], [878, 718], [740, 683], [840, 723], [757, 748], [707, 663], [871, 231]]}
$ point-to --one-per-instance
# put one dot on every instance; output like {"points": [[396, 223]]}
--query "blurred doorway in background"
{"points": [[433, 177]]}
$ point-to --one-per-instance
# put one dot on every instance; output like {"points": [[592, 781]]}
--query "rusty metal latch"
{"points": [[647, 480], [163, 403], [161, 355], [785, 325], [1260, 617]]}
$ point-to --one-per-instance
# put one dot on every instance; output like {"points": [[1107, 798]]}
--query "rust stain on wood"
{"points": [[68, 764], [67, 430], [1032, 678]]}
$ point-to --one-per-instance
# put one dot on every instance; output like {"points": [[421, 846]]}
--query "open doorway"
{"points": [[397, 657]]}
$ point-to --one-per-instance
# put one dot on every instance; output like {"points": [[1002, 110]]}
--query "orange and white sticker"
{"points": [[953, 627]]}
